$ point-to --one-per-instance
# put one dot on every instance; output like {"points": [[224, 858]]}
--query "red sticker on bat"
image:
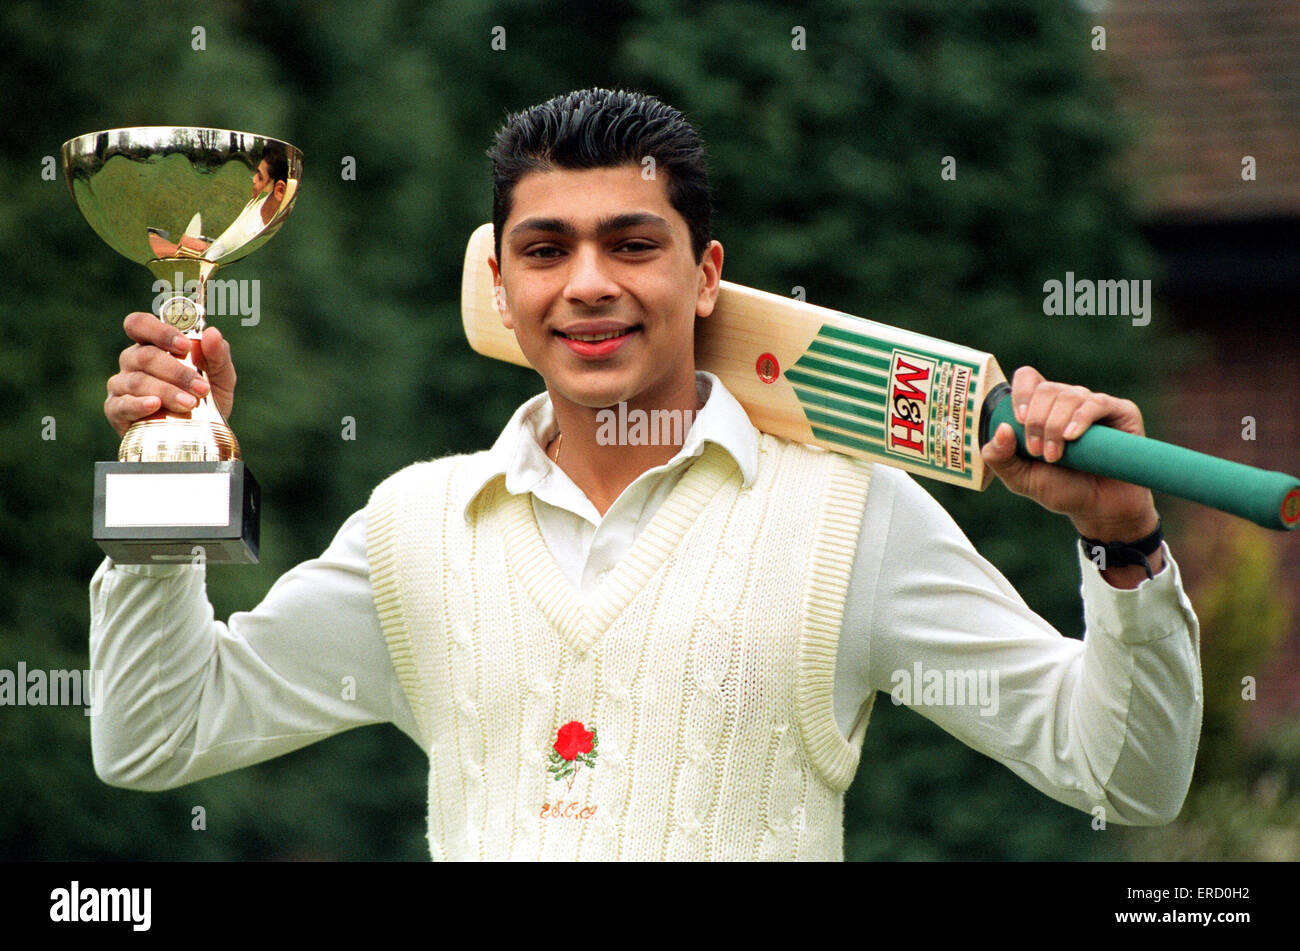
{"points": [[1291, 507], [767, 367]]}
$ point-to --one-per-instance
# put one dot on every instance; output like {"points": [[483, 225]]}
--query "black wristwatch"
{"points": [[1120, 554]]}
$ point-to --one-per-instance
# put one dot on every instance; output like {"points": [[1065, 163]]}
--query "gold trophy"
{"points": [[184, 202]]}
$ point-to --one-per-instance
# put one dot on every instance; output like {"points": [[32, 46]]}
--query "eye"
{"points": [[545, 251], [635, 245]]}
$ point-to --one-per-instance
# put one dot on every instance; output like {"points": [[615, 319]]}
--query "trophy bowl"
{"points": [[130, 182], [183, 201]]}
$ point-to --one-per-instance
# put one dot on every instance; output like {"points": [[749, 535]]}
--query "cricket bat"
{"points": [[903, 399]]}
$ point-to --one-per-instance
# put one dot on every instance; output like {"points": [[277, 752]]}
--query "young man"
{"points": [[648, 652], [270, 185]]}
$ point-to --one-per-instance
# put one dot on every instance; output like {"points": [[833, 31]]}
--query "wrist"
{"points": [[1121, 529], [1130, 576], [1123, 560]]}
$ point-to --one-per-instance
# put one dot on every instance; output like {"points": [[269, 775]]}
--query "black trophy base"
{"points": [[171, 513]]}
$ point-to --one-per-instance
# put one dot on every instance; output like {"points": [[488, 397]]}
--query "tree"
{"points": [[918, 163]]}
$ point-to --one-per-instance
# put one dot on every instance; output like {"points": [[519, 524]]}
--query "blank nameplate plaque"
{"points": [[158, 513]]}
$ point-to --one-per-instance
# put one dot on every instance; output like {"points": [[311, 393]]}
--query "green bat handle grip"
{"points": [[1271, 499]]}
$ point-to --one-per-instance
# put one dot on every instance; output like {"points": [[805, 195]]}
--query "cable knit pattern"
{"points": [[704, 664]]}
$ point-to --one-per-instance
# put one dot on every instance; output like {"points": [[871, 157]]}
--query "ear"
{"points": [[710, 279], [499, 294], [280, 188]]}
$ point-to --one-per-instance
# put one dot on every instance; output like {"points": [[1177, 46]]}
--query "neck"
{"points": [[606, 449], [269, 208]]}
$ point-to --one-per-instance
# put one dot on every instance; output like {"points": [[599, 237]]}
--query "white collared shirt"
{"points": [[585, 545], [1118, 712]]}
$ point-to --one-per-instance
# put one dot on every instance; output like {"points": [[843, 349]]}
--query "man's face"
{"points": [[261, 179], [590, 253]]}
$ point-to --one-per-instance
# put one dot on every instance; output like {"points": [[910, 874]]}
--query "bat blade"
{"points": [[867, 389], [812, 375]]}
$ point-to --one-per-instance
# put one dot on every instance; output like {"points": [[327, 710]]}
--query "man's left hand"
{"points": [[1054, 414]]}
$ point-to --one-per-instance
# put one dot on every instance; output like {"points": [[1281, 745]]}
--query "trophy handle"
{"points": [[201, 434]]}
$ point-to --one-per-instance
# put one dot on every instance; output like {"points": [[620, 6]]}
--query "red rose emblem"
{"points": [[575, 746], [573, 740]]}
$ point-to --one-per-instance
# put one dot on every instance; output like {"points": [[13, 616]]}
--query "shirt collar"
{"points": [[519, 455]]}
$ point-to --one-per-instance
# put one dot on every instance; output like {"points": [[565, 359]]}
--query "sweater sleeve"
{"points": [[187, 697], [1112, 721]]}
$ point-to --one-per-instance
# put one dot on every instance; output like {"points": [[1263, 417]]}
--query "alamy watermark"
{"points": [[52, 688], [637, 427], [946, 687], [221, 298], [78, 903], [1087, 298]]}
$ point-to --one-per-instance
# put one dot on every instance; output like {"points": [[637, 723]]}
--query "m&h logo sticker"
{"points": [[910, 380]]}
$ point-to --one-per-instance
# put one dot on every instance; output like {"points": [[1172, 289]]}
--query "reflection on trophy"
{"points": [[184, 202]]}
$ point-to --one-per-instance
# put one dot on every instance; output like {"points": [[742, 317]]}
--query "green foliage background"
{"points": [[826, 166]]}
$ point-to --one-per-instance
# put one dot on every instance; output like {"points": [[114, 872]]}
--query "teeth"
{"points": [[594, 338]]}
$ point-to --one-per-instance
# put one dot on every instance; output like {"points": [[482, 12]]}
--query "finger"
{"points": [[148, 330], [138, 384], [1039, 407], [153, 362], [1023, 383], [1067, 403], [1096, 406], [216, 360], [122, 411], [999, 454], [999, 449], [1122, 414]]}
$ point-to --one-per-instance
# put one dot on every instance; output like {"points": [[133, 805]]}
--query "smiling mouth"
{"points": [[596, 338]]}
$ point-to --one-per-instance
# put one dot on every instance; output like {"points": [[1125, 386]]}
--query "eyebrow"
{"points": [[632, 219]]}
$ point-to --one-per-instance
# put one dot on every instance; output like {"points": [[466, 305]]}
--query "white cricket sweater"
{"points": [[682, 712]]}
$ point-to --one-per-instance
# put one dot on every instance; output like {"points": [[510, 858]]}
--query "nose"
{"points": [[589, 281]]}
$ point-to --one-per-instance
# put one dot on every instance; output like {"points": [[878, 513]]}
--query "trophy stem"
{"points": [[201, 435]]}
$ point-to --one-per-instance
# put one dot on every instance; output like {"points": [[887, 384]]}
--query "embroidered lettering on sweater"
{"points": [[567, 810]]}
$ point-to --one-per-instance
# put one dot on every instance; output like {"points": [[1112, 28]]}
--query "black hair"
{"points": [[277, 163], [603, 128]]}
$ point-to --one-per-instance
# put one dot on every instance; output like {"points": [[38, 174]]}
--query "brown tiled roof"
{"points": [[1208, 82]]}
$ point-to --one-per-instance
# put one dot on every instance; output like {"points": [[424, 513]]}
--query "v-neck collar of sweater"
{"points": [[580, 620]]}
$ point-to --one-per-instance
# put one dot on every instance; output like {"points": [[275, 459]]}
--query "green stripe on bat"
{"points": [[888, 346], [834, 385], [876, 434], [867, 377], [855, 409], [853, 357]]}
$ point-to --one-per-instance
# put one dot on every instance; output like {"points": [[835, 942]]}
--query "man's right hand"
{"points": [[152, 376]]}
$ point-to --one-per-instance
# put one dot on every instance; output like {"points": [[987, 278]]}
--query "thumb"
{"points": [[999, 454], [216, 359]]}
